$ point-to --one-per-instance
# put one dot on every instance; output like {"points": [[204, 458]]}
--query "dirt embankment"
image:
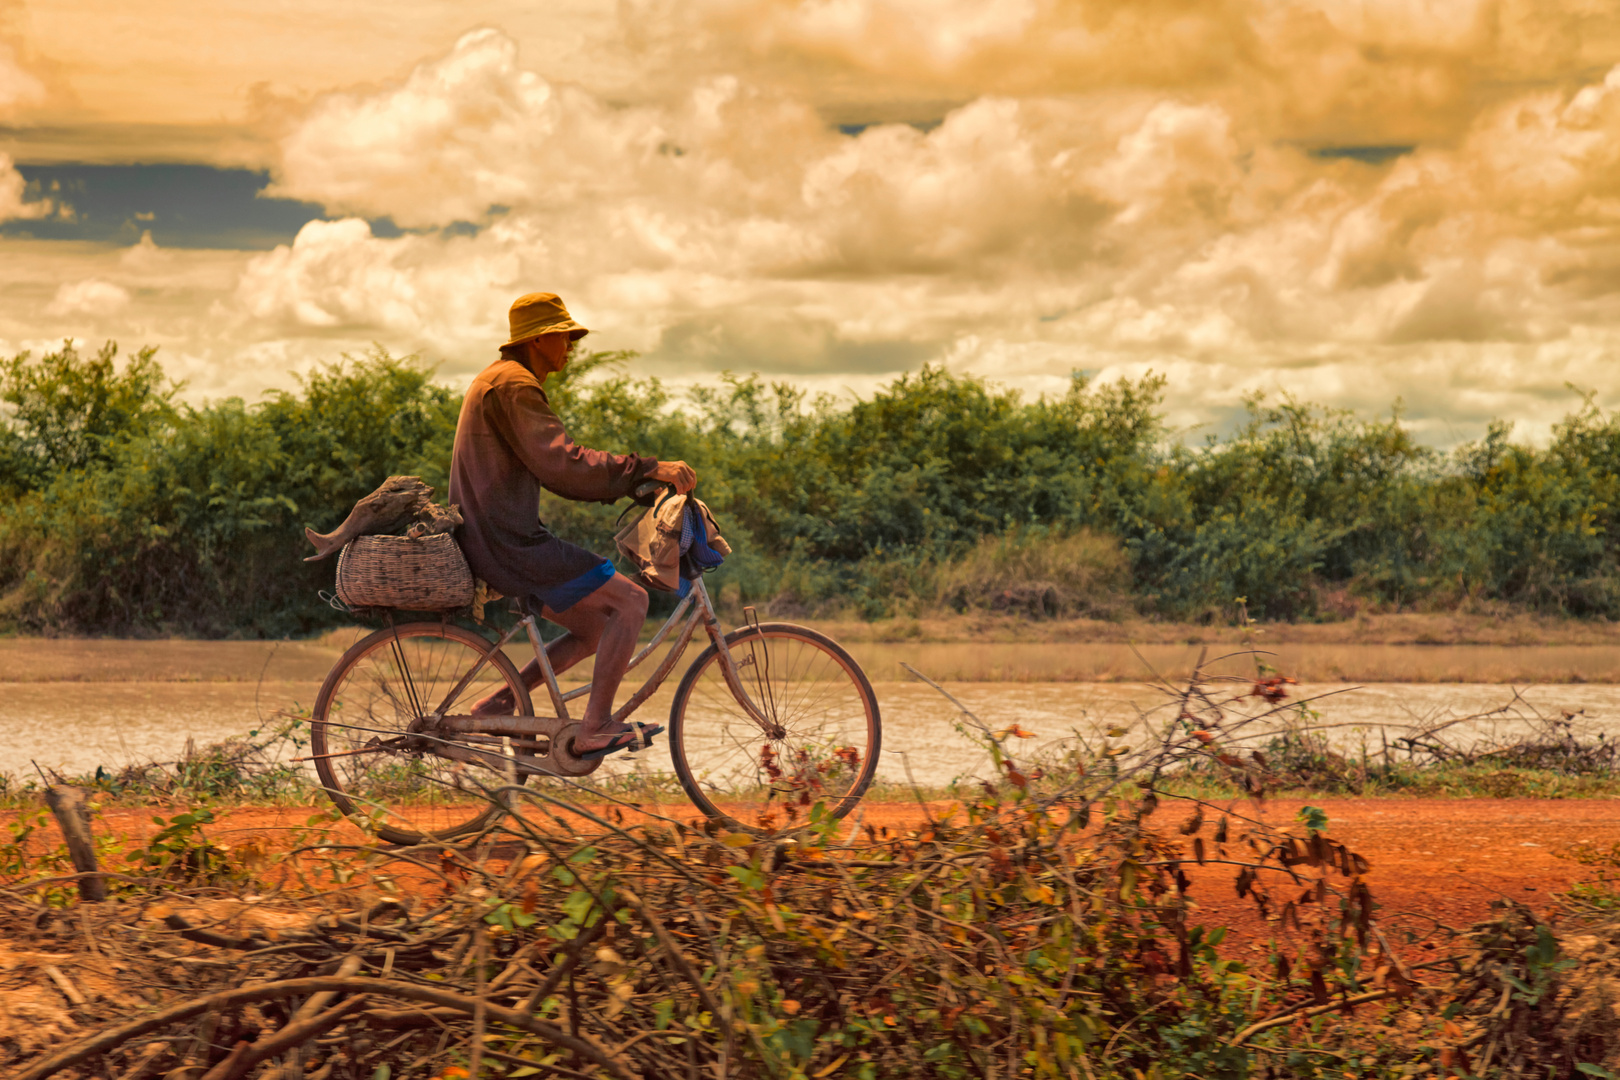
{"points": [[1406, 628], [1520, 649]]}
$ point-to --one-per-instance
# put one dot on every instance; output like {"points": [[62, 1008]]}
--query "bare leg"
{"points": [[609, 620], [606, 623]]}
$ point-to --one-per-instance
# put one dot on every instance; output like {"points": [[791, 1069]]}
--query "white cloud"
{"points": [[1112, 187], [730, 227], [13, 203], [91, 297], [336, 276], [461, 134], [18, 88]]}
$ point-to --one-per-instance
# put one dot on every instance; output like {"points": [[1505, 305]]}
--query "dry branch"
{"points": [[227, 999]]}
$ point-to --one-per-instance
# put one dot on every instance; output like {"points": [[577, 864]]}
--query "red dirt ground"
{"points": [[1440, 859]]}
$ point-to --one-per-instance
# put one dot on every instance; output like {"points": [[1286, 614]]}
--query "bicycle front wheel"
{"points": [[375, 699], [812, 735]]}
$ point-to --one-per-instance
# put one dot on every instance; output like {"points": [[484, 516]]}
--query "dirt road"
{"points": [[1438, 859]]}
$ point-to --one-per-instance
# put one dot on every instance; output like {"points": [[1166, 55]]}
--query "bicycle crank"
{"points": [[533, 745]]}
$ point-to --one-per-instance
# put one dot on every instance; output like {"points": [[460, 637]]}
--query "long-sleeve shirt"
{"points": [[509, 444]]}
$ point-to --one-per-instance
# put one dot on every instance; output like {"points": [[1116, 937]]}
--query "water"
{"points": [[74, 727]]}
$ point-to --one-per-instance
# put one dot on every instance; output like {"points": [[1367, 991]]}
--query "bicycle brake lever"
{"points": [[646, 492]]}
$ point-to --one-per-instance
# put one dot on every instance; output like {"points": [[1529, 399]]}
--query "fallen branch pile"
{"points": [[1041, 929]]}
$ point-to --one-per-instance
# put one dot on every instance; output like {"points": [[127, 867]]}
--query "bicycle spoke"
{"points": [[364, 746], [824, 736]]}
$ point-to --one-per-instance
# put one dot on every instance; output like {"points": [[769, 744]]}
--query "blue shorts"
{"points": [[560, 598]]}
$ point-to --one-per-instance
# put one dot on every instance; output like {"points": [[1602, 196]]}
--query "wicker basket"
{"points": [[429, 574]]}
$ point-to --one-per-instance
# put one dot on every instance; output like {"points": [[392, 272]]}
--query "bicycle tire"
{"points": [[824, 705], [378, 687]]}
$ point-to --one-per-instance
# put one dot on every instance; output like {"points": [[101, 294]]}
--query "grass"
{"points": [[1036, 572], [225, 777], [1448, 781]]}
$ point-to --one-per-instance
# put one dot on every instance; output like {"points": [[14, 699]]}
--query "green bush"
{"points": [[190, 519], [124, 512]]}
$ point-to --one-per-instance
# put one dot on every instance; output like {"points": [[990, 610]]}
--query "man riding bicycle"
{"points": [[510, 444]]}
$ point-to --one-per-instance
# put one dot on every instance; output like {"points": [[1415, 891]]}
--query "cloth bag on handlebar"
{"points": [[653, 544]]}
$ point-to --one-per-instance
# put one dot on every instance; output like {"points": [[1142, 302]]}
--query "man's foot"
{"points": [[600, 745]]}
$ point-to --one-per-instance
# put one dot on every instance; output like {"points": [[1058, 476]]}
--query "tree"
{"points": [[67, 411]]}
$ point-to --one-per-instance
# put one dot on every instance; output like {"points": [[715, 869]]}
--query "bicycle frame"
{"points": [[696, 607]]}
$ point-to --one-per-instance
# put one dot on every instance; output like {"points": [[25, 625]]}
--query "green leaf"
{"points": [[747, 876], [578, 905], [1594, 1070], [1314, 818], [383, 1073]]}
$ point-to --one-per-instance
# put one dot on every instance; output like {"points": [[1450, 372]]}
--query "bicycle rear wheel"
{"points": [[821, 744], [389, 784]]}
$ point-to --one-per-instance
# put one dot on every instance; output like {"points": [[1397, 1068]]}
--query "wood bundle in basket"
{"points": [[426, 574]]}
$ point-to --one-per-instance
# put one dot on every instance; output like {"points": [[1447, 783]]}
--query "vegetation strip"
{"points": [[125, 511]]}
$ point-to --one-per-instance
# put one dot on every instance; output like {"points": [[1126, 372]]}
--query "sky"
{"points": [[1352, 202]]}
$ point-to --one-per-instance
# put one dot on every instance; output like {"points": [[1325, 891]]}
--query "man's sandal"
{"points": [[639, 737]]}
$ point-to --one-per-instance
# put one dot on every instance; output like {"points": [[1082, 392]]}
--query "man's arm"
{"points": [[565, 468]]}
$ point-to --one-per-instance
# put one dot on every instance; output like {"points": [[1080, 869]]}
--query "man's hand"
{"points": [[678, 473]]}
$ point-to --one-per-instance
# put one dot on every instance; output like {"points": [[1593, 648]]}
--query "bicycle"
{"points": [[768, 714]]}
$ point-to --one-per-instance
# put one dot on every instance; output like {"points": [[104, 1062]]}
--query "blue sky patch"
{"points": [[1367, 155], [184, 206]]}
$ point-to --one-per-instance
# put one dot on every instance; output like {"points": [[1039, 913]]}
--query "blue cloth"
{"points": [[696, 545], [560, 598], [697, 557]]}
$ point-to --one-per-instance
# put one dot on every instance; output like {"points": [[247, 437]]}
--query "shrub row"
{"points": [[123, 510]]}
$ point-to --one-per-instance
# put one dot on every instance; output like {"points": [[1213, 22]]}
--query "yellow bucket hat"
{"points": [[541, 313]]}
